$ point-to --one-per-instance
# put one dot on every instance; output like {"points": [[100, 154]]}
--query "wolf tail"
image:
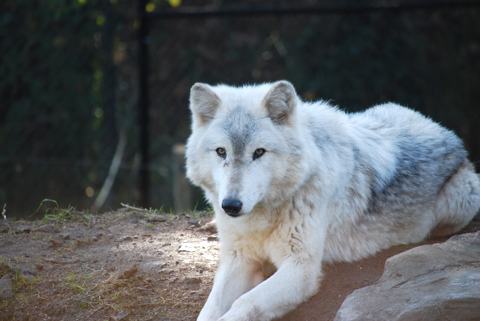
{"points": [[459, 200]]}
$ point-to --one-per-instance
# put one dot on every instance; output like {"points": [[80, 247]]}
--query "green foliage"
{"points": [[75, 282], [52, 212], [59, 215]]}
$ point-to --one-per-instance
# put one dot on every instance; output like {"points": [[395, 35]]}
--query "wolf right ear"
{"points": [[280, 102], [203, 103]]}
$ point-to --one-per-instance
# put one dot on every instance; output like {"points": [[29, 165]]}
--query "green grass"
{"points": [[76, 283], [54, 213], [19, 281], [5, 268]]}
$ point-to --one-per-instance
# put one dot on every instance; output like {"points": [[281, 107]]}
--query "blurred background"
{"points": [[93, 94]]}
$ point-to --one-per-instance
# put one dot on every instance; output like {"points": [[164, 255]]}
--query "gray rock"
{"points": [[23, 228], [119, 316], [27, 272], [73, 233], [65, 236], [46, 228], [152, 267], [6, 288], [156, 219], [194, 222], [429, 282], [126, 239], [4, 226]]}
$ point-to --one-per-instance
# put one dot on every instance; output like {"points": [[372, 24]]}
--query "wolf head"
{"points": [[244, 149]]}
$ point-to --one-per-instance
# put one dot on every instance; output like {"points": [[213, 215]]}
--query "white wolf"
{"points": [[294, 184]]}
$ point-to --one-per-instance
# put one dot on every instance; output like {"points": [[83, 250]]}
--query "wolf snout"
{"points": [[232, 206]]}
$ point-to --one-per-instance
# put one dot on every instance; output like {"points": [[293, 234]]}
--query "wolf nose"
{"points": [[232, 206]]}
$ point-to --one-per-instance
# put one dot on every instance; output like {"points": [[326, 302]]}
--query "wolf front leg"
{"points": [[235, 276], [294, 282]]}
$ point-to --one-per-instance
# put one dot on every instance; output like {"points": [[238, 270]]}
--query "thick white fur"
{"points": [[306, 200]]}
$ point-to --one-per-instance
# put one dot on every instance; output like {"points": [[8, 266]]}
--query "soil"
{"points": [[135, 265]]}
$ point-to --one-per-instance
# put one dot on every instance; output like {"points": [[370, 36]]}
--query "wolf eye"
{"points": [[258, 153], [221, 152]]}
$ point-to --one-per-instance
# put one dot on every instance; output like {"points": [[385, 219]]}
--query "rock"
{"points": [[126, 239], [6, 288], [152, 266], [73, 233], [212, 238], [194, 223], [27, 272], [65, 236], [97, 237], [156, 219], [429, 282], [46, 228], [119, 316], [4, 226], [23, 228]]}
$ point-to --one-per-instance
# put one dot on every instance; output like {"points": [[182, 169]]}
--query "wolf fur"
{"points": [[330, 186]]}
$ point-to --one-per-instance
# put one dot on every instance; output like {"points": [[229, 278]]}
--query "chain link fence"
{"points": [[69, 108]]}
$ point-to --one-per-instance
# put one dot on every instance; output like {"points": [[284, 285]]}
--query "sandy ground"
{"points": [[135, 265]]}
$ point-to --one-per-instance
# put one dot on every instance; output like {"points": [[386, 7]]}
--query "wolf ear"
{"points": [[203, 103], [280, 102]]}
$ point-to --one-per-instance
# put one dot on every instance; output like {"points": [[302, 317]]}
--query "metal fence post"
{"points": [[143, 105]]}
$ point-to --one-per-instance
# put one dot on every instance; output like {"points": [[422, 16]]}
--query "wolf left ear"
{"points": [[203, 103], [280, 102]]}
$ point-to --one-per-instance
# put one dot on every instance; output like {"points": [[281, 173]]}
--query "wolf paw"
{"points": [[242, 313]]}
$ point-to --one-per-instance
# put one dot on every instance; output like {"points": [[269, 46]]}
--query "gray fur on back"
{"points": [[422, 169], [424, 163]]}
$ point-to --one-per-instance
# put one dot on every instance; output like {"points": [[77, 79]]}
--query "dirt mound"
{"points": [[132, 265], [124, 265]]}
